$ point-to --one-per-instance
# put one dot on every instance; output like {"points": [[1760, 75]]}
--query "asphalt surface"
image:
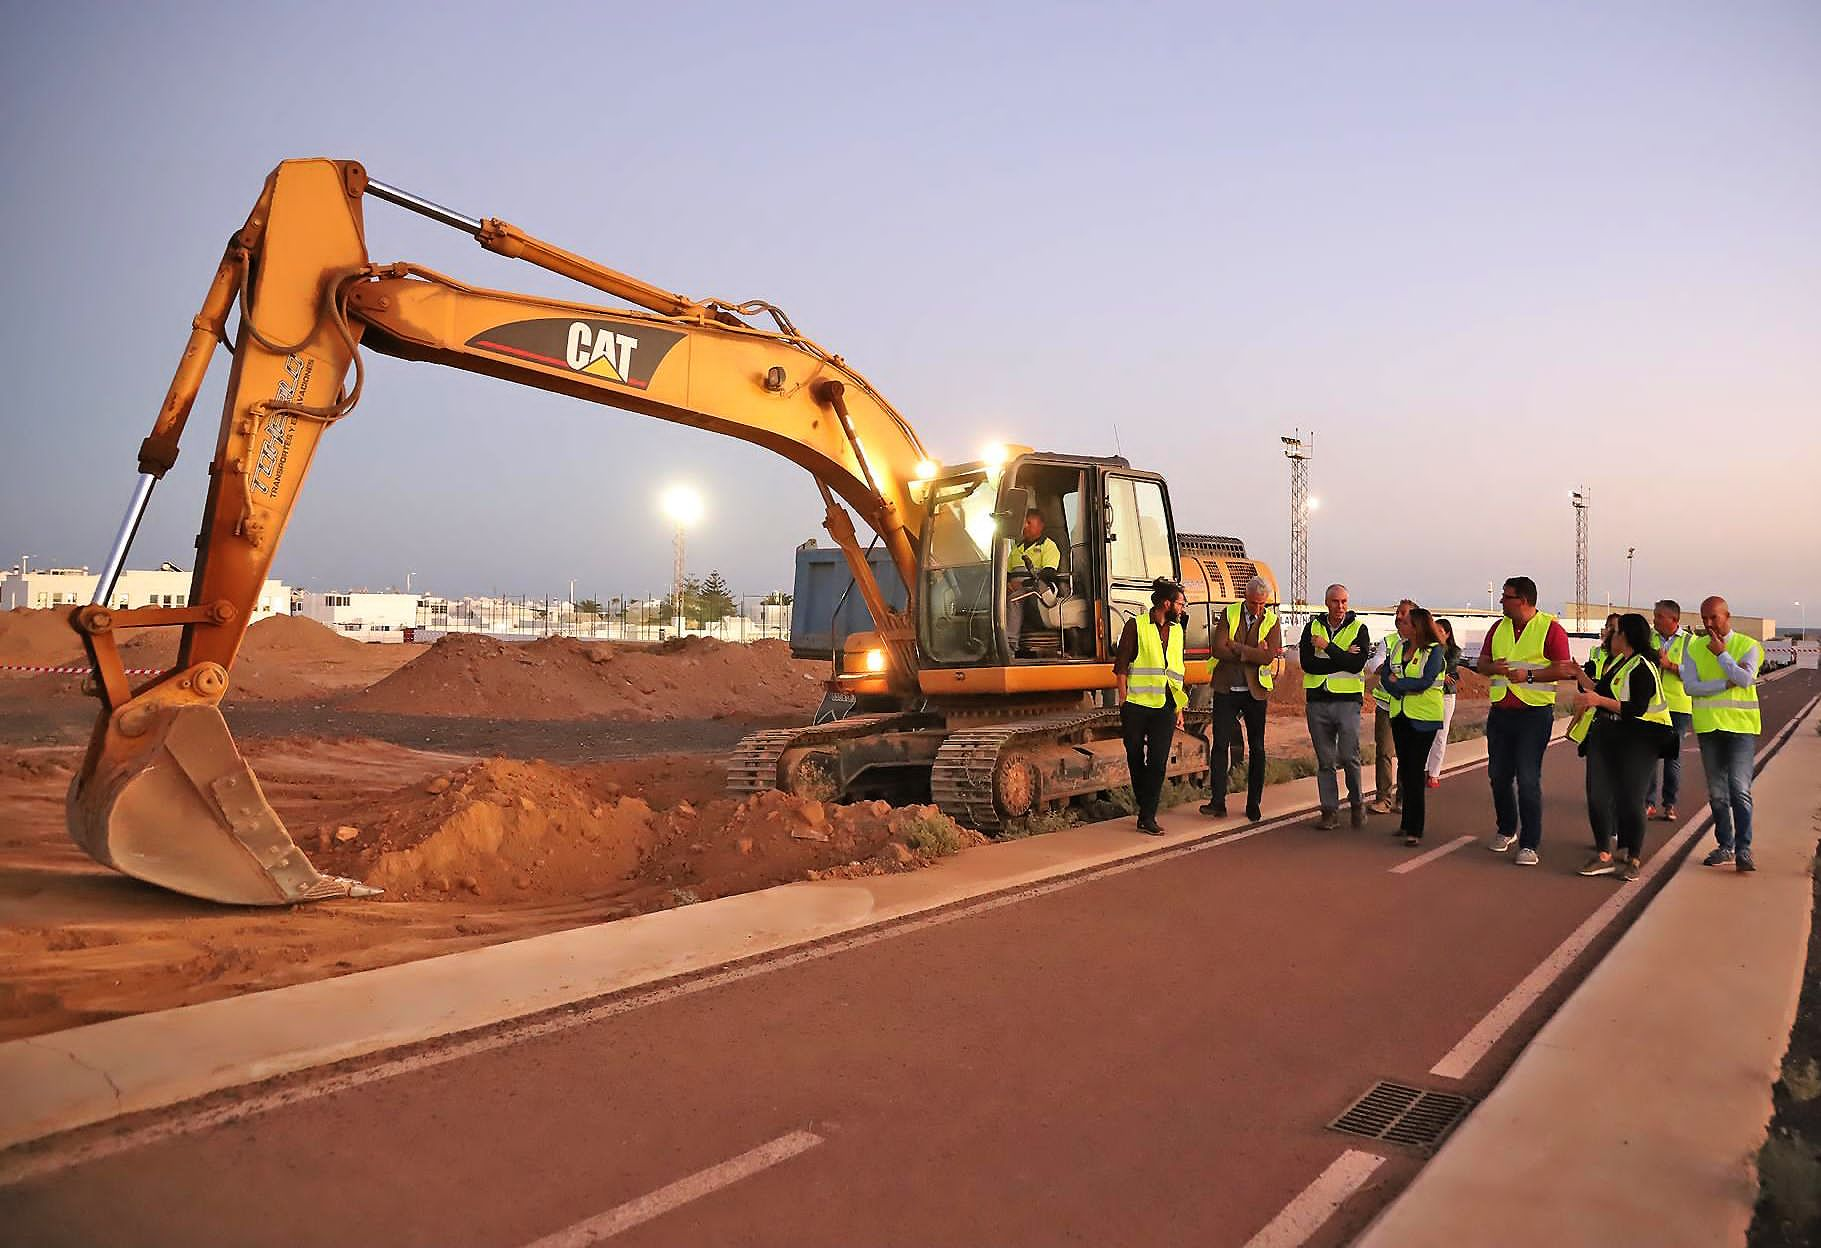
{"points": [[1147, 1057]]}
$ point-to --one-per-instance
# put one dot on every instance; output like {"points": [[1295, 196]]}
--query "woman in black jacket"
{"points": [[1629, 729]]}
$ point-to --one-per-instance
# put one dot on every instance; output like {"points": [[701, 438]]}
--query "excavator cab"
{"points": [[1114, 535]]}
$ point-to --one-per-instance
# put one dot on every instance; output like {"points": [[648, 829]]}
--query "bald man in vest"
{"points": [[1720, 675]]}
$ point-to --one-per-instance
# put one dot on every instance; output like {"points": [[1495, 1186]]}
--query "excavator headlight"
{"points": [[996, 455], [875, 660], [927, 469]]}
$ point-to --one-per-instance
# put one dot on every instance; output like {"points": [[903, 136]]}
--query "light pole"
{"points": [[1582, 497], [1299, 452], [1804, 611], [684, 506], [1629, 552]]}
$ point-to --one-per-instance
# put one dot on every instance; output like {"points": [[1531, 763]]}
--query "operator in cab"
{"points": [[1033, 554]]}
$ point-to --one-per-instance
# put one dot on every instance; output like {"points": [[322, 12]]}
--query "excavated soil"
{"points": [[471, 853], [561, 678]]}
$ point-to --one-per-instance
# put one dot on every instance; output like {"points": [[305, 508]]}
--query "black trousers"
{"points": [[1148, 730], [1230, 710], [1412, 773], [1620, 761]]}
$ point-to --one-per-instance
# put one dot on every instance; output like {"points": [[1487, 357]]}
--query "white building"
{"points": [[360, 615], [43, 588]]}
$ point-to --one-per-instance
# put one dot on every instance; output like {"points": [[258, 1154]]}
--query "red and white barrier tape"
{"points": [[77, 671]]}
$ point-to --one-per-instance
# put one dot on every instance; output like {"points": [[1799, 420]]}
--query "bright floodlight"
{"points": [[927, 468], [1314, 503], [683, 505], [996, 455]]}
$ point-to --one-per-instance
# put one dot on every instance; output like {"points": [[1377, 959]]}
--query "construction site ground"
{"points": [[1142, 1054], [496, 790]]}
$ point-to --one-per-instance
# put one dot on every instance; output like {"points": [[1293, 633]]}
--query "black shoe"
{"points": [[1359, 814], [1743, 863], [1411, 838], [1217, 809], [1254, 813], [1150, 827], [1718, 858], [1330, 819]]}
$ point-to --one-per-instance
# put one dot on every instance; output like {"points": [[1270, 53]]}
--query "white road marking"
{"points": [[1316, 1203], [1423, 860], [675, 1195], [1463, 1057]]}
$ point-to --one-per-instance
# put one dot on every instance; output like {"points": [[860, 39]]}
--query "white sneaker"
{"points": [[1502, 843], [1527, 858]]}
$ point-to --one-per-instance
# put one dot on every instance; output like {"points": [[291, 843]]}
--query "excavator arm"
{"points": [[163, 793]]}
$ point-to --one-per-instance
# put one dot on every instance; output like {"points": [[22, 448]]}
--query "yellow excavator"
{"points": [[939, 704]]}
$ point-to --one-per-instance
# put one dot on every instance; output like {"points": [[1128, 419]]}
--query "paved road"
{"points": [[1145, 1057]]}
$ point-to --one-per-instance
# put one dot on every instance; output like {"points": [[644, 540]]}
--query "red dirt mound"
{"points": [[506, 829], [38, 638], [283, 657], [560, 678]]}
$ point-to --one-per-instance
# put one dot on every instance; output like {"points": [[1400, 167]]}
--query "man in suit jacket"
{"points": [[1247, 640]]}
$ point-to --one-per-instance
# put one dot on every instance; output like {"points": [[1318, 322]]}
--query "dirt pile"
{"points": [[37, 638], [561, 678], [283, 658], [505, 830]]}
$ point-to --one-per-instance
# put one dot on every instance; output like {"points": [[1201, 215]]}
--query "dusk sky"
{"points": [[1487, 252]]}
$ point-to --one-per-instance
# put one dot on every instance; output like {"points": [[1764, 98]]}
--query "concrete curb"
{"points": [[75, 1078], [1636, 1114]]}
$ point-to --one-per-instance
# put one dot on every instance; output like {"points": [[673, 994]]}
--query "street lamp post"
{"points": [[684, 506], [1629, 552]]}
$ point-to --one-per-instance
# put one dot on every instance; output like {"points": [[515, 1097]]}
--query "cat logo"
{"points": [[620, 352]]}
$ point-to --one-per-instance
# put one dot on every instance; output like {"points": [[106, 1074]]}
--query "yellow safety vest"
{"points": [[1153, 674], [1425, 707], [1655, 712], [1336, 682], [1042, 552], [1732, 709], [1673, 691], [1265, 626], [1393, 648], [1599, 656], [1525, 653]]}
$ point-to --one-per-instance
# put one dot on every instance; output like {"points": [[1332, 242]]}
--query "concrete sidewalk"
{"points": [[1636, 1114], [85, 1075]]}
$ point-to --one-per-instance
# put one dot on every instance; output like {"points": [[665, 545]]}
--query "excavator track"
{"points": [[971, 783], [753, 767], [964, 781]]}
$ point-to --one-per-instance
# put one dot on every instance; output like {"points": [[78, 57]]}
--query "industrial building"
{"points": [[41, 589]]}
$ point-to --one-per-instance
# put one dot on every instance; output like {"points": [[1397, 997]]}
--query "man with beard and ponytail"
{"points": [[1149, 672]]}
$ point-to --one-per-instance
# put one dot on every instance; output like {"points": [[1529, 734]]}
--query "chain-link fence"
{"points": [[622, 617]]}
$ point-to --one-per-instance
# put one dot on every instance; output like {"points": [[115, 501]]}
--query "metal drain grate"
{"points": [[1400, 1114]]}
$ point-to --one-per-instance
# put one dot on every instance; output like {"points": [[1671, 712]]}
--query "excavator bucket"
{"points": [[165, 796]]}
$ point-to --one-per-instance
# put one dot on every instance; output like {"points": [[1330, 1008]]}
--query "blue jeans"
{"points": [[1672, 766], [1516, 738], [1727, 759]]}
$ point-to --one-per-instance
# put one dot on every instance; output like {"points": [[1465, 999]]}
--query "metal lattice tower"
{"points": [[1583, 499], [1299, 453]]}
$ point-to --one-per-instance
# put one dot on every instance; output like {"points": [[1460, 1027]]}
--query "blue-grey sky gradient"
{"points": [[1487, 251]]}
